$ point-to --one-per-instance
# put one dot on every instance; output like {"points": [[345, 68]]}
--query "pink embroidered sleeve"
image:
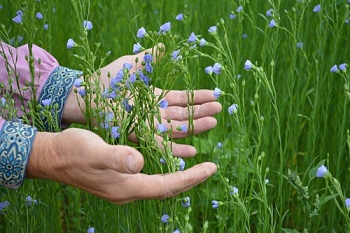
{"points": [[46, 82]]}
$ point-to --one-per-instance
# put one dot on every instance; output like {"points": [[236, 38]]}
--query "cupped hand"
{"points": [[82, 159], [202, 108]]}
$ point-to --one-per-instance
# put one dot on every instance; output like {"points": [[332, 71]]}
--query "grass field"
{"points": [[292, 115]]}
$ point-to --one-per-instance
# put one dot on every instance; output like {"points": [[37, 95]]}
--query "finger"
{"points": [[178, 150], [182, 98], [197, 111], [143, 186], [199, 125], [123, 159]]}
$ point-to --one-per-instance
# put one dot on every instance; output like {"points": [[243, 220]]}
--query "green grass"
{"points": [[293, 115]]}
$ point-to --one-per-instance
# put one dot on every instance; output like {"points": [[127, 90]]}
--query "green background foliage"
{"points": [[293, 116]]}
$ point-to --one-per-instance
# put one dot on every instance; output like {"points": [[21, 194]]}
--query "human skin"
{"points": [[82, 159]]}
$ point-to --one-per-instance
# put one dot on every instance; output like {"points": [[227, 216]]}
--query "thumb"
{"points": [[123, 159]]}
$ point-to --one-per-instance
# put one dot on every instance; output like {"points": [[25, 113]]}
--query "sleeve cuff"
{"points": [[16, 140], [56, 90]]}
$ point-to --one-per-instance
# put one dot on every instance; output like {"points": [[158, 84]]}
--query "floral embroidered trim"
{"points": [[16, 141], [56, 89]]}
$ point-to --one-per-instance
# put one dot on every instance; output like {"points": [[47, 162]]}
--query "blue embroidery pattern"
{"points": [[57, 88], [16, 141]]}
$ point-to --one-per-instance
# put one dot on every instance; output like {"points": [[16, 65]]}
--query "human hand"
{"points": [[204, 105], [82, 159]]}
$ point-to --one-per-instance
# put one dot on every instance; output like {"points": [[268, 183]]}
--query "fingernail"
{"points": [[130, 163]]}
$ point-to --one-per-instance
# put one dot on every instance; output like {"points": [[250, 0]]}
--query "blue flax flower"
{"points": [[234, 191], [148, 58], [162, 128], [70, 43], [137, 48], [219, 145], [215, 204], [317, 8], [186, 202], [300, 45], [272, 23], [46, 102], [87, 25], [141, 32], [175, 55], [30, 201], [126, 105], [3, 101], [321, 171], [177, 231], [202, 42], [248, 65], [239, 9], [209, 70], [212, 30], [217, 68], [39, 15], [115, 132], [163, 104], [78, 82], [91, 230], [165, 218], [232, 16], [165, 28], [182, 164], [149, 68], [18, 19], [192, 38], [3, 205], [46, 26], [342, 67], [334, 69], [127, 66], [179, 17], [162, 161], [82, 92], [233, 109], [217, 93], [182, 128], [347, 203], [269, 12]]}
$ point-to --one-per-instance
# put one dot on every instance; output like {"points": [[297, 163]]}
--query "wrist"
{"points": [[42, 157]]}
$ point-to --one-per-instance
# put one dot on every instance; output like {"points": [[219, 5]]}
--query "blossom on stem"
{"points": [[217, 68], [212, 30], [342, 67], [182, 128], [162, 128], [115, 132], [248, 65], [186, 202], [179, 17], [165, 28], [70, 43], [87, 25], [165, 218], [163, 104], [321, 171], [141, 32], [317, 8], [233, 109], [137, 48], [217, 93], [334, 69], [192, 38]]}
